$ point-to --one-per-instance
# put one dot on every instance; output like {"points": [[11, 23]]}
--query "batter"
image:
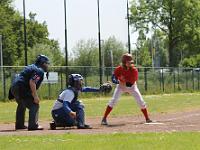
{"points": [[125, 76]]}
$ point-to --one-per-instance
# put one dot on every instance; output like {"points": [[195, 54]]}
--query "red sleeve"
{"points": [[135, 73], [117, 72]]}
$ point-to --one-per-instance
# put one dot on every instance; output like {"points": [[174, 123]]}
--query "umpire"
{"points": [[24, 90]]}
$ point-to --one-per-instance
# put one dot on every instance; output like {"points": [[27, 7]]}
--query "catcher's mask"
{"points": [[76, 81]]}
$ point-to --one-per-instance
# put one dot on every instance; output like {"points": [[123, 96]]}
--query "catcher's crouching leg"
{"points": [[61, 119], [52, 125], [80, 118]]}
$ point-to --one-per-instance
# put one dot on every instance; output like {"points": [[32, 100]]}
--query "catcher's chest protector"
{"points": [[75, 94]]}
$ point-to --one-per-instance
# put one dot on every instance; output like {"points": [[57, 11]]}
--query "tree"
{"points": [[117, 48], [179, 20], [86, 53], [11, 28], [193, 61], [49, 50], [7, 15], [145, 58]]}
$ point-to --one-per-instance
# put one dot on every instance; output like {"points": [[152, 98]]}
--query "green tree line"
{"points": [[38, 41], [175, 28]]}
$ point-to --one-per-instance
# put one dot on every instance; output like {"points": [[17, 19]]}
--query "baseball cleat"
{"points": [[52, 125], [21, 128], [104, 122], [37, 128], [84, 127], [149, 121]]}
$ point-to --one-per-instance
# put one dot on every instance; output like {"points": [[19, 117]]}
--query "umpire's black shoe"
{"points": [[37, 128], [21, 127], [84, 127]]}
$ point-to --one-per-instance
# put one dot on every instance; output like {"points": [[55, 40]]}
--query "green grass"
{"points": [[126, 106], [136, 141], [116, 141]]}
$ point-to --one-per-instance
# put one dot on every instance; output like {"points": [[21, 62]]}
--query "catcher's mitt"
{"points": [[106, 87]]}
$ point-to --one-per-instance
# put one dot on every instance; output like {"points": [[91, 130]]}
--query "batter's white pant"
{"points": [[133, 90]]}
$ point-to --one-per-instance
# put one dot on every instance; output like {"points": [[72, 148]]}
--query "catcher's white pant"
{"points": [[133, 90]]}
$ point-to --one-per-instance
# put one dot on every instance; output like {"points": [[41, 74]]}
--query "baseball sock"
{"points": [[144, 111], [107, 112]]}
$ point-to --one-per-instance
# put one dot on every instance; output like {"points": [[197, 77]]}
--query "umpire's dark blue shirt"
{"points": [[30, 72]]}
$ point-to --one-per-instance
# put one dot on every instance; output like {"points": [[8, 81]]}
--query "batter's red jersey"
{"points": [[130, 75]]}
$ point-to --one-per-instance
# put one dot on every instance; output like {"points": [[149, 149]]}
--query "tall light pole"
{"points": [[99, 39], [66, 46], [25, 35], [128, 20]]}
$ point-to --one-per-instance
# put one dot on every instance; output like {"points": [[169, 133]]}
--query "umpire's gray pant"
{"points": [[23, 103]]}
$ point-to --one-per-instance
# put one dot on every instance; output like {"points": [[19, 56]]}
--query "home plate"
{"points": [[154, 123]]}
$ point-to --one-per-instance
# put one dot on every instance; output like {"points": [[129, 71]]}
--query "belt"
{"points": [[128, 84]]}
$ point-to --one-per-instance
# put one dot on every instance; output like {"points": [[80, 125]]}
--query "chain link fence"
{"points": [[151, 80]]}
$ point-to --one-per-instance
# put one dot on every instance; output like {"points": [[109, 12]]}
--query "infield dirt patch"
{"points": [[169, 122]]}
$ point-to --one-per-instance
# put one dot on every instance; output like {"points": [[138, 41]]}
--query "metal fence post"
{"points": [[160, 75], [178, 80], [49, 90], [107, 72], [4, 84], [198, 78], [174, 80], [193, 79], [163, 84], [145, 79], [85, 75], [186, 80], [61, 80]]}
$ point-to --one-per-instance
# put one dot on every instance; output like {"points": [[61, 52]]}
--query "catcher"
{"points": [[68, 111], [125, 76]]}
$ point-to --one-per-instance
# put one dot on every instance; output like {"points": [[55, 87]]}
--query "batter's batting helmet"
{"points": [[126, 57]]}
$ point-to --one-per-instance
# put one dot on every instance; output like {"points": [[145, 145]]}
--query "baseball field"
{"points": [[176, 126]]}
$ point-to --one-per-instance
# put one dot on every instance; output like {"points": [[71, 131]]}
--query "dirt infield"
{"points": [[170, 122]]}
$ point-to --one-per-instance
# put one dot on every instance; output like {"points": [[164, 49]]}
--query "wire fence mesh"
{"points": [[151, 80]]}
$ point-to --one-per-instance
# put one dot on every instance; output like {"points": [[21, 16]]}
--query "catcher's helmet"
{"points": [[75, 80], [126, 57], [41, 59]]}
